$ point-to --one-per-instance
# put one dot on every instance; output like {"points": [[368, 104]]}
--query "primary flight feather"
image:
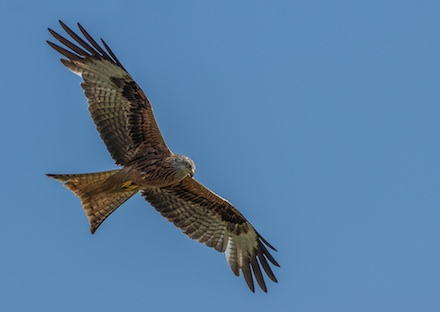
{"points": [[124, 118]]}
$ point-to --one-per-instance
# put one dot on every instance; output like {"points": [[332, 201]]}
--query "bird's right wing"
{"points": [[120, 109]]}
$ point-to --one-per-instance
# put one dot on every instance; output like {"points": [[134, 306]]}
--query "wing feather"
{"points": [[210, 219], [120, 109], [258, 275]]}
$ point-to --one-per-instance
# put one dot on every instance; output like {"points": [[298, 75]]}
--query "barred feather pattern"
{"points": [[121, 111], [212, 220]]}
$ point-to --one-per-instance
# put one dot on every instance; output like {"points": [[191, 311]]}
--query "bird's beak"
{"points": [[191, 174]]}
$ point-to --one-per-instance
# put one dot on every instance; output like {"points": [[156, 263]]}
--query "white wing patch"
{"points": [[77, 73], [231, 256], [239, 249], [96, 70]]}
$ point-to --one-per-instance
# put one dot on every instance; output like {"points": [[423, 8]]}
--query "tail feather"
{"points": [[99, 199]]}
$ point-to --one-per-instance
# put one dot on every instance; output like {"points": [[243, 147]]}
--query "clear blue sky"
{"points": [[319, 120]]}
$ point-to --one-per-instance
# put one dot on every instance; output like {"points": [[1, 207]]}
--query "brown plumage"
{"points": [[124, 118]]}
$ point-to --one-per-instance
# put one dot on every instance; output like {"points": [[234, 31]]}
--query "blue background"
{"points": [[319, 120]]}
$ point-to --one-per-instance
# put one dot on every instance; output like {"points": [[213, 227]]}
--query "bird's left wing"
{"points": [[212, 220]]}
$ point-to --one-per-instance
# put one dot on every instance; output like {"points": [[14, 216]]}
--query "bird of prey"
{"points": [[124, 118]]}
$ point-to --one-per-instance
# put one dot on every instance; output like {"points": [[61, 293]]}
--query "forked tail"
{"points": [[99, 199]]}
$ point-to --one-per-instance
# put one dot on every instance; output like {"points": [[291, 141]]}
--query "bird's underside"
{"points": [[126, 123]]}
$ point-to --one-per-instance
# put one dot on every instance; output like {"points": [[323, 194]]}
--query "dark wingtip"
{"points": [[52, 32], [82, 48], [61, 23], [266, 242], [258, 274], [248, 277]]}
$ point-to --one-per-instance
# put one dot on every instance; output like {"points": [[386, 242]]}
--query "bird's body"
{"points": [[124, 118], [156, 172]]}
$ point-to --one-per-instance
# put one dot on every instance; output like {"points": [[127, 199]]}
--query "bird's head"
{"points": [[184, 165]]}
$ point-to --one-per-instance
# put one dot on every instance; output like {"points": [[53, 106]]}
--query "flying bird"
{"points": [[125, 121]]}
